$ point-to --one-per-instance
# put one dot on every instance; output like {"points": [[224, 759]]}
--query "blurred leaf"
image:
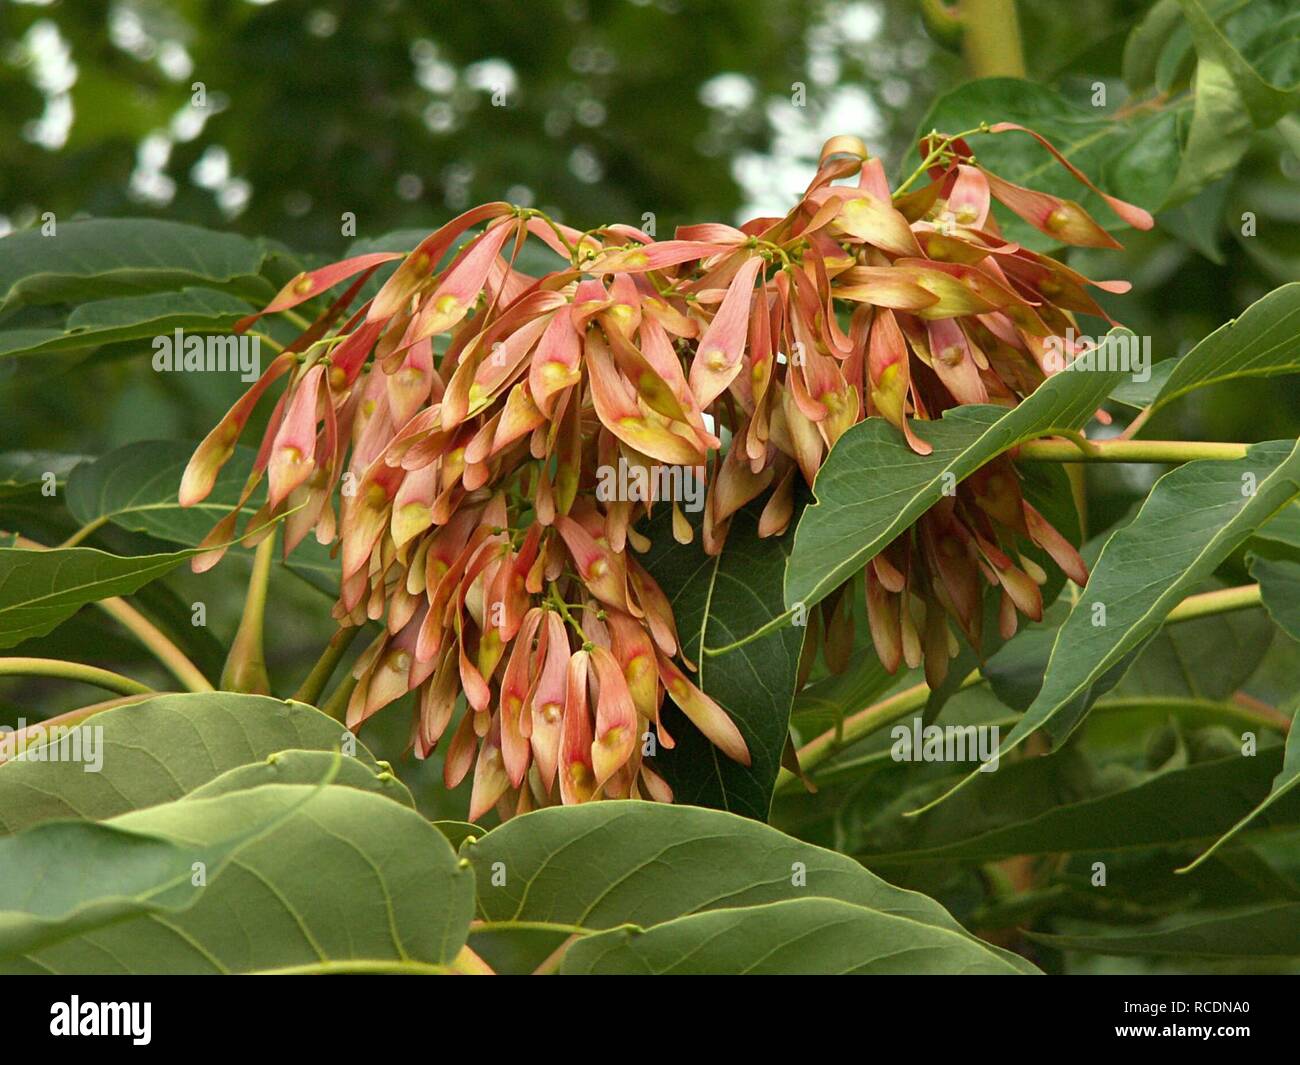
{"points": [[1257, 932], [1204, 658], [111, 321], [1057, 804], [23, 472], [124, 256], [1268, 33]]}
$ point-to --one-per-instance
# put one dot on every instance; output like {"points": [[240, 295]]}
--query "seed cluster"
{"points": [[467, 408]]}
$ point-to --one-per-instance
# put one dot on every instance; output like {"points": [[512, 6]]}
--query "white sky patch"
{"points": [[769, 179], [53, 72], [727, 92], [489, 75]]}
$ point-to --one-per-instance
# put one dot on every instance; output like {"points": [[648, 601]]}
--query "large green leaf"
{"points": [[717, 600], [1195, 516], [873, 486], [799, 936], [39, 589], [601, 865], [1261, 342], [111, 321], [1257, 932], [164, 748], [99, 258], [136, 487], [339, 874]]}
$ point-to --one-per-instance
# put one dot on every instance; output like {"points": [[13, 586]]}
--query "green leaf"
{"points": [[872, 486], [1058, 805], [23, 472], [1256, 932], [1135, 154], [1202, 658], [1146, 43], [106, 257], [1283, 784], [513, 948], [600, 865], [458, 831], [136, 488], [307, 767], [39, 589], [1258, 343], [1283, 529], [1218, 136], [133, 874], [1271, 41], [1194, 518], [340, 874], [111, 321], [718, 600], [163, 748], [1279, 587], [800, 936]]}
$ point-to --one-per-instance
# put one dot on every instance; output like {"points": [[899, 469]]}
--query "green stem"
{"points": [[83, 532], [55, 667], [1222, 601], [863, 723], [1129, 451], [757, 634], [935, 155], [991, 39], [336, 706], [310, 689], [557, 601], [245, 669]]}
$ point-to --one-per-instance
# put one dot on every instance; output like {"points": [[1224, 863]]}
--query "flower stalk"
{"points": [[245, 668]]}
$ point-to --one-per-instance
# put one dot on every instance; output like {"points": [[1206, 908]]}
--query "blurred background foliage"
{"points": [[290, 119], [385, 114]]}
